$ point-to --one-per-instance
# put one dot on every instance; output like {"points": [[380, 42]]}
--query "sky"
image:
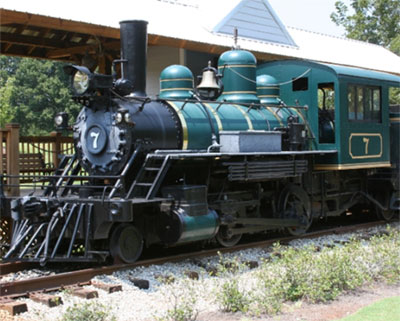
{"points": [[312, 15]]}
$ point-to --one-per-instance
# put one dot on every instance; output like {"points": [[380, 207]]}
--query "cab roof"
{"points": [[344, 71]]}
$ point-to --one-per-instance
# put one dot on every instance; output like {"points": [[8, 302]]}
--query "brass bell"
{"points": [[209, 78]]}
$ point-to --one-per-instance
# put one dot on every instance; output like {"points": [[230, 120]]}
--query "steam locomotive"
{"points": [[251, 148]]}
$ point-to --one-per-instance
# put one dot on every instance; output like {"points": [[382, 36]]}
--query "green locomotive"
{"points": [[251, 148]]}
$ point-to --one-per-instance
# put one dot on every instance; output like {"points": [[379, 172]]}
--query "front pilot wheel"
{"points": [[126, 243]]}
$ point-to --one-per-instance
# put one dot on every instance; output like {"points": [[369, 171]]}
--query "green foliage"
{"points": [[6, 110], [230, 295], [322, 277], [384, 257], [183, 303], [394, 96], [32, 92], [86, 311], [231, 298], [269, 294], [375, 21], [294, 274]]}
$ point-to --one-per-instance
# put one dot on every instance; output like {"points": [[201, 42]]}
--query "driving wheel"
{"points": [[384, 199], [295, 203]]}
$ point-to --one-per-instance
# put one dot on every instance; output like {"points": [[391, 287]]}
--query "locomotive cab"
{"points": [[347, 110]]}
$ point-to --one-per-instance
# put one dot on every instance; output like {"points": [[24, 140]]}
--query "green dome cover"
{"points": [[238, 68], [176, 72], [176, 81], [268, 90], [237, 57]]}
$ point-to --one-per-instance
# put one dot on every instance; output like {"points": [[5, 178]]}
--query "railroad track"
{"points": [[11, 267], [23, 288]]}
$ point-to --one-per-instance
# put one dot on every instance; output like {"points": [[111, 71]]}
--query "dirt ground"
{"points": [[345, 305]]}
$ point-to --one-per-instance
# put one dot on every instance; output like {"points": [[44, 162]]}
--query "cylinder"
{"points": [[179, 227], [134, 50]]}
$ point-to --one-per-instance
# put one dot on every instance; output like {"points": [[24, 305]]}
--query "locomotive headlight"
{"points": [[128, 118], [61, 120], [58, 120], [82, 79], [119, 117], [80, 82], [84, 82]]}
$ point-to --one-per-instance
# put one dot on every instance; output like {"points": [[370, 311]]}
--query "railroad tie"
{"points": [[192, 275], [47, 299], [109, 288], [140, 283], [85, 293], [13, 307]]}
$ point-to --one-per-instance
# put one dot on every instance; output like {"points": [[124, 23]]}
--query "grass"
{"points": [[383, 310]]}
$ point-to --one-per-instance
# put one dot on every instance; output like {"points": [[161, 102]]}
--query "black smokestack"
{"points": [[134, 49]]}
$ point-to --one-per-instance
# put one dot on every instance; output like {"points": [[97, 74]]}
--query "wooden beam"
{"points": [[31, 49], [7, 47], [25, 18], [58, 53], [18, 39], [12, 146]]}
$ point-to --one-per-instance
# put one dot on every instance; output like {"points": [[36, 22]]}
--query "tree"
{"points": [[6, 110], [374, 21], [32, 92]]}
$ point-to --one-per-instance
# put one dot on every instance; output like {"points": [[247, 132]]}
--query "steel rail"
{"points": [[11, 267]]}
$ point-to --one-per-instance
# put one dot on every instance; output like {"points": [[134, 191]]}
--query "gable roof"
{"points": [[255, 19]]}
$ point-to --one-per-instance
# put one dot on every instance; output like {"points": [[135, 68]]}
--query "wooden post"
{"points": [[13, 157], [56, 150], [2, 169], [104, 65]]}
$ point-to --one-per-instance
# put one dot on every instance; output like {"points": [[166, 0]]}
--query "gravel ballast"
{"points": [[171, 282]]}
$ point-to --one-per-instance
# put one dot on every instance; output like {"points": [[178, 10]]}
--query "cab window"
{"points": [[326, 113], [364, 103]]}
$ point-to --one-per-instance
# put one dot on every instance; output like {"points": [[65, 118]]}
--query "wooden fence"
{"points": [[19, 155]]}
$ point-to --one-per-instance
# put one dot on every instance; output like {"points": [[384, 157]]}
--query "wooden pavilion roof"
{"points": [[36, 36], [25, 34]]}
